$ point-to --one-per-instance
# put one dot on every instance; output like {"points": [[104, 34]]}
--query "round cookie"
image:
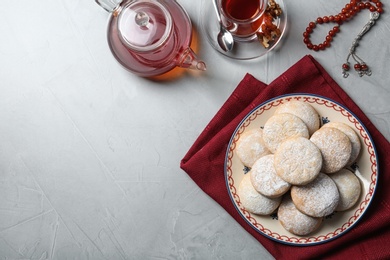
{"points": [[295, 221], [335, 148], [253, 201], [265, 180], [353, 137], [250, 146], [319, 198], [349, 188], [280, 127], [304, 111], [298, 161]]}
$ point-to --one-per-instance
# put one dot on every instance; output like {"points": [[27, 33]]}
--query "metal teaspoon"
{"points": [[224, 38]]}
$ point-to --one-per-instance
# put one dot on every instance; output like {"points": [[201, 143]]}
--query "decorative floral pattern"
{"points": [[367, 148]]}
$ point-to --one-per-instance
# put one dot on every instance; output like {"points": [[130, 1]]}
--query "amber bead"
{"points": [[346, 66], [325, 19], [357, 66]]}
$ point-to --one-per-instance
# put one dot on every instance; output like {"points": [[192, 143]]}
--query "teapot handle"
{"points": [[109, 5]]}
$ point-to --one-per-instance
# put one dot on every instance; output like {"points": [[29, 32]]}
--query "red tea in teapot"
{"points": [[151, 37], [147, 29]]}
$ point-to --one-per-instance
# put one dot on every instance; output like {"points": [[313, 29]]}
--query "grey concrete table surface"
{"points": [[90, 153]]}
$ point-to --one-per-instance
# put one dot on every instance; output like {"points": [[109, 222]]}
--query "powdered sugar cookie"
{"points": [[319, 198], [295, 221], [335, 148], [353, 137], [304, 111], [349, 188], [265, 180], [280, 127], [251, 147], [298, 161], [253, 201]]}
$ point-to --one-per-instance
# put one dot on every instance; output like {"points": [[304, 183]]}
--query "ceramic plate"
{"points": [[338, 223], [243, 50]]}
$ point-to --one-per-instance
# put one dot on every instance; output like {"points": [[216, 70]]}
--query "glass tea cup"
{"points": [[242, 18]]}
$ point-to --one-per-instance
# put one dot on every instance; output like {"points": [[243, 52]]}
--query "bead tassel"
{"points": [[348, 12]]}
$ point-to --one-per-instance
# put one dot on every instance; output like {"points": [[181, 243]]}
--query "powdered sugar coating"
{"points": [[353, 137], [319, 198], [265, 180], [298, 161], [334, 225], [250, 146], [280, 127], [335, 148], [304, 111], [295, 221], [253, 201], [349, 188]]}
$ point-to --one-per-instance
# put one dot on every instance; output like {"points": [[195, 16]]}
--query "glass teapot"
{"points": [[150, 37]]}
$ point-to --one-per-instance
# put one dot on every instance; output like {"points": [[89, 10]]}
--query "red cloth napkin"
{"points": [[204, 163]]}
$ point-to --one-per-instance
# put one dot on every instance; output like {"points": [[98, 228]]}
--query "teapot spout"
{"points": [[188, 59]]}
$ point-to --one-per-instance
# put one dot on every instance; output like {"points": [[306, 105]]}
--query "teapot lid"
{"points": [[144, 25]]}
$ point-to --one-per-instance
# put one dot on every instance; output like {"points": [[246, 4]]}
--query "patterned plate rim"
{"points": [[360, 209]]}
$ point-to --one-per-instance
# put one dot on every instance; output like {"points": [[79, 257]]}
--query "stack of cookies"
{"points": [[298, 168]]}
